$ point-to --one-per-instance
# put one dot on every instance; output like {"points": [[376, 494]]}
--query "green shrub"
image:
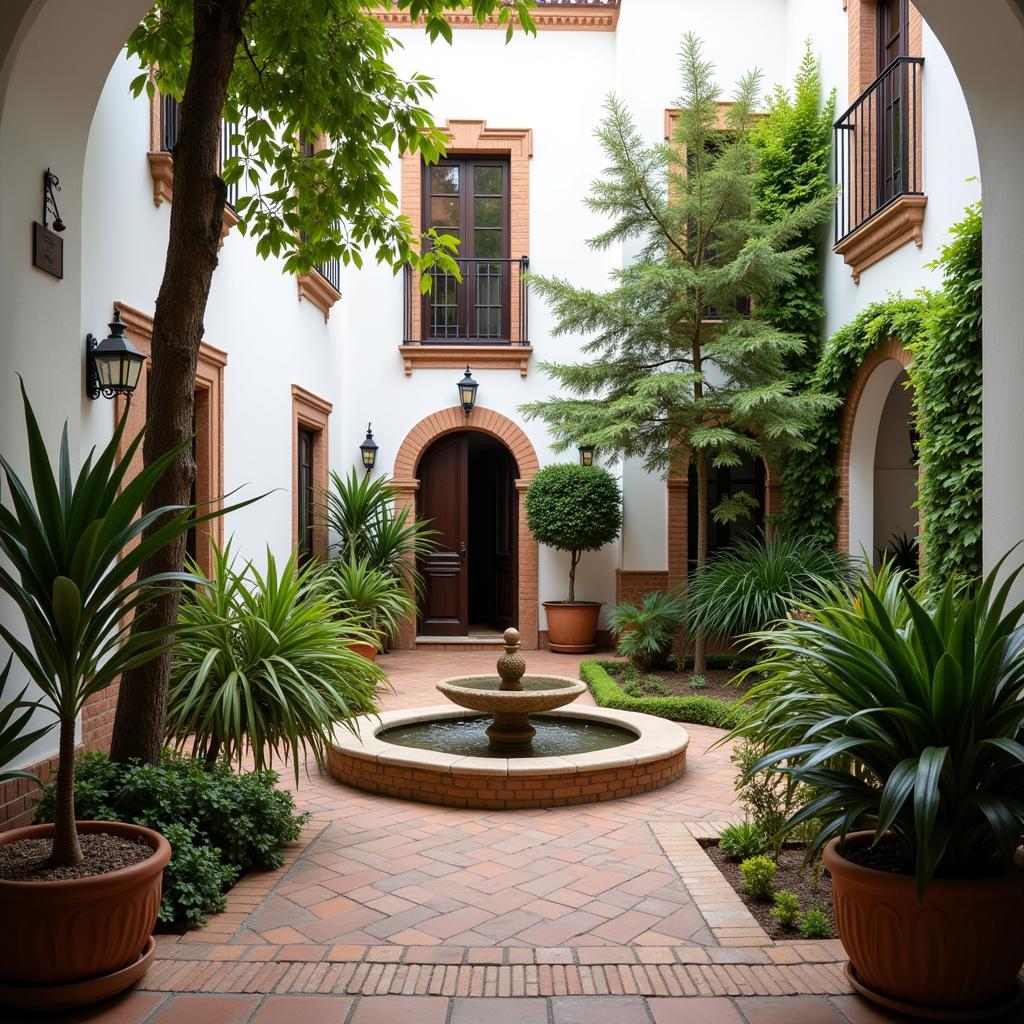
{"points": [[654, 687], [644, 633], [762, 795], [758, 876], [574, 508], [786, 908], [742, 841], [634, 689], [699, 710], [219, 823], [756, 581], [377, 598], [698, 683], [815, 924], [263, 666]]}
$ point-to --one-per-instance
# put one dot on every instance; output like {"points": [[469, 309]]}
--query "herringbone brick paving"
{"points": [[393, 912]]}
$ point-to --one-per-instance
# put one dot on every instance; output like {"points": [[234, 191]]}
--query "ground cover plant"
{"points": [[220, 823], [699, 709], [644, 632]]}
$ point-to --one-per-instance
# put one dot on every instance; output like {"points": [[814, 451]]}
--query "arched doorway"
{"points": [[877, 460], [749, 477], [467, 491]]}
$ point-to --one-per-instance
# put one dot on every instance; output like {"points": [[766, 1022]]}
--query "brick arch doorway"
{"points": [[439, 445]]}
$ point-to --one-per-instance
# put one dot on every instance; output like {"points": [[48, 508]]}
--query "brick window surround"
{"points": [[890, 350], [310, 413], [406, 483], [466, 138], [902, 220]]}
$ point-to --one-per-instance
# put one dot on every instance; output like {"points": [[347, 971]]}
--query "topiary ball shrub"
{"points": [[758, 875], [574, 508], [220, 823]]}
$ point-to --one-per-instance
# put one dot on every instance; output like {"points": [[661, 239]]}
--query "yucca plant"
{"points": [[644, 632], [375, 598], [14, 741], [263, 665], [757, 580], [74, 545], [361, 516], [903, 716]]}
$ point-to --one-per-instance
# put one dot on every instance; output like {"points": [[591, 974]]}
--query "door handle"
{"points": [[462, 549]]}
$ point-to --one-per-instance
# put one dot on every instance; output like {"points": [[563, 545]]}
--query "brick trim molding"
{"points": [[900, 222], [315, 288], [312, 413], [406, 484], [635, 584], [891, 349], [574, 16], [455, 357], [467, 137]]}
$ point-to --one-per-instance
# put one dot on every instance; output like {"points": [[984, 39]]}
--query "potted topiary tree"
{"points": [[903, 719], [575, 509], [79, 899]]}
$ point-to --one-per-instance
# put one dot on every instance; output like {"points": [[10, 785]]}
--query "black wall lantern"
{"points": [[51, 186], [586, 454], [113, 366], [368, 449], [467, 392]]}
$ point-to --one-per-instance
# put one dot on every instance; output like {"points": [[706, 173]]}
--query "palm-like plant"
{"points": [[758, 580], [902, 716], [361, 515], [644, 632], [263, 664], [75, 545], [373, 597]]}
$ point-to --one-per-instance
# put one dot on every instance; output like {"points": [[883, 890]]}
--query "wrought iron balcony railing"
{"points": [[487, 307], [878, 146]]}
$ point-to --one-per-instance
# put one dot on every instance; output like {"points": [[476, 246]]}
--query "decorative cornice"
{"points": [[557, 15], [311, 401], [161, 167], [454, 357], [900, 222], [315, 287]]}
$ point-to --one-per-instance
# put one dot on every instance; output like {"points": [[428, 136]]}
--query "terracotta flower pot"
{"points": [[572, 628], [955, 955], [367, 651], [63, 942]]}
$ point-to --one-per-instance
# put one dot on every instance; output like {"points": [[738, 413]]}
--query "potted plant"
{"points": [[372, 598], [575, 509], [903, 717], [79, 899]]}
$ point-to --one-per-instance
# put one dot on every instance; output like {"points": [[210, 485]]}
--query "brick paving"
{"points": [[388, 912]]}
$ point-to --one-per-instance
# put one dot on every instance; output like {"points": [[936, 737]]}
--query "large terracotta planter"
{"points": [[956, 955], [367, 651], [66, 943], [572, 628]]}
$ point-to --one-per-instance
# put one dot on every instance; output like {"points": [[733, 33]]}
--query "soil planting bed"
{"points": [[788, 876], [25, 860], [678, 683]]}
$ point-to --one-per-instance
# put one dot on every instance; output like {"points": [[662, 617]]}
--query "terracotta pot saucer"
{"points": [[77, 993], [1012, 1002]]}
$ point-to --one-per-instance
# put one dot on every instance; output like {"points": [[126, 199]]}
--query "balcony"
{"points": [[881, 201], [482, 319]]}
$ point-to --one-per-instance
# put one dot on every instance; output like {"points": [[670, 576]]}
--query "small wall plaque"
{"points": [[47, 250]]}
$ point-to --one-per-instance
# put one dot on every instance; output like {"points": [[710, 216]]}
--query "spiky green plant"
{"points": [[264, 665], [902, 716], [758, 580], [360, 513], [74, 545], [371, 596], [14, 741], [644, 632]]}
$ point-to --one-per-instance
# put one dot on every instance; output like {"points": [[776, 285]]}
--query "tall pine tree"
{"points": [[680, 364]]}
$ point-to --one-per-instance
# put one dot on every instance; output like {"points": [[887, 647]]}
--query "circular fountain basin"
{"points": [[649, 753]]}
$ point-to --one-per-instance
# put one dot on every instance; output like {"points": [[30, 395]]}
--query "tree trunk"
{"points": [[699, 641], [574, 561], [196, 218], [66, 848]]}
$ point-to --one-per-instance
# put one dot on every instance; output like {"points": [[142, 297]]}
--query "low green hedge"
{"points": [[698, 710]]}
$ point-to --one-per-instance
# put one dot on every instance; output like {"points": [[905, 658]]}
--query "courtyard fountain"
{"points": [[511, 740]]}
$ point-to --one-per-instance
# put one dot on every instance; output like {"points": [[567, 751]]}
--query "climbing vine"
{"points": [[946, 374]]}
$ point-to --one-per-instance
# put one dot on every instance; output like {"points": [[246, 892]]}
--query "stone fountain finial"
{"points": [[511, 665]]}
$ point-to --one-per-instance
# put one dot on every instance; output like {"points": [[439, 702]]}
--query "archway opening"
{"points": [[895, 479], [468, 492], [727, 482]]}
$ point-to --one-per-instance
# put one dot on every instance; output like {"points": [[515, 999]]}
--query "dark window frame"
{"points": [[305, 484]]}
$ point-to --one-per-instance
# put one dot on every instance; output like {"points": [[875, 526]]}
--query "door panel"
{"points": [[506, 521], [443, 500]]}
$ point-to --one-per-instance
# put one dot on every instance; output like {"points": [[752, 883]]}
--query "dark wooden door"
{"points": [[892, 35], [505, 549], [443, 492]]}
